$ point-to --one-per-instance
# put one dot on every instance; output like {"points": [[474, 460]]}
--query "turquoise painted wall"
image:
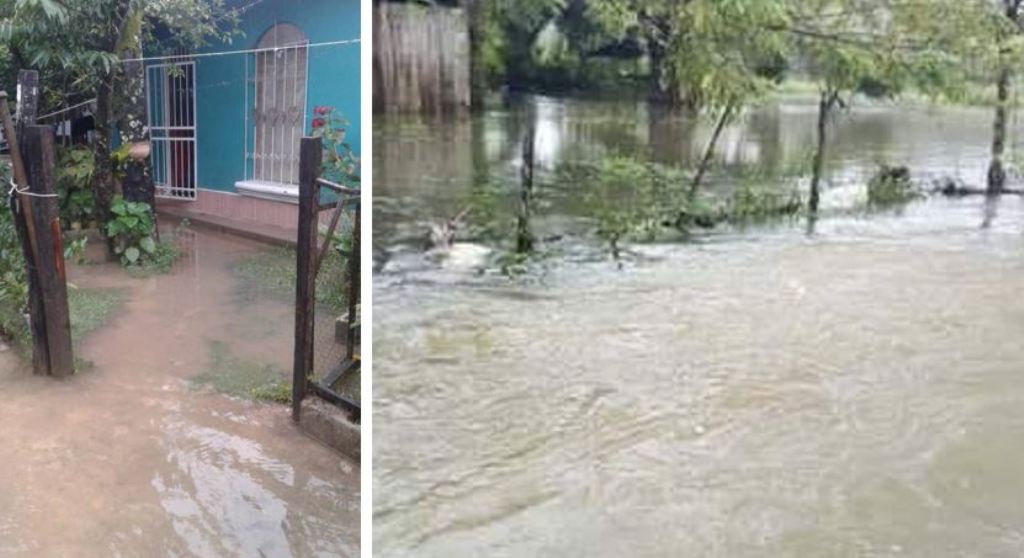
{"points": [[220, 81]]}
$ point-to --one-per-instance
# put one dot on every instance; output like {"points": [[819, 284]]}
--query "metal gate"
{"points": [[171, 107]]}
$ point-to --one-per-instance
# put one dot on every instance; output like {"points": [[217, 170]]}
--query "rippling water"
{"points": [[763, 392]]}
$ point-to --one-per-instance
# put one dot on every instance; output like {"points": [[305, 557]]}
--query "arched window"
{"points": [[279, 105]]}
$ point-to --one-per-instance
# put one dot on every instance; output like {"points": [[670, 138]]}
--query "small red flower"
{"points": [[318, 122], [321, 110]]}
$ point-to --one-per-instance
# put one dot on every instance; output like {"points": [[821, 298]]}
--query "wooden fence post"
{"points": [[25, 114], [310, 161], [353, 284], [28, 98], [21, 211], [38, 154]]}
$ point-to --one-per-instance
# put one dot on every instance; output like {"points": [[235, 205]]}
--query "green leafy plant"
{"points": [[75, 249], [73, 179], [629, 199], [13, 282], [132, 230], [340, 163]]}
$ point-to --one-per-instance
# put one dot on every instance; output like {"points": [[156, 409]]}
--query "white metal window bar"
{"points": [[278, 112], [171, 108]]}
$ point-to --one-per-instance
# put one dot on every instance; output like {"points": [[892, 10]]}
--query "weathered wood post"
{"points": [[310, 161], [26, 112], [20, 209], [353, 284], [48, 291], [28, 97], [38, 154]]}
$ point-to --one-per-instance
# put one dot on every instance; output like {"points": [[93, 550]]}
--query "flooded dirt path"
{"points": [[132, 458]]}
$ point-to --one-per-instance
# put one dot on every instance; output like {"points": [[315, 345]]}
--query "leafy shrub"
{"points": [[74, 249], [13, 282], [74, 186], [891, 186], [628, 198], [340, 164], [132, 231]]}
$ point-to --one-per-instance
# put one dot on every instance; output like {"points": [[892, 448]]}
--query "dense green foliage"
{"points": [[340, 163], [74, 180], [13, 282], [700, 53], [79, 48]]}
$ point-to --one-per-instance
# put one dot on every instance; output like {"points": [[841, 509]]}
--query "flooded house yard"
{"points": [[157, 445], [757, 390]]}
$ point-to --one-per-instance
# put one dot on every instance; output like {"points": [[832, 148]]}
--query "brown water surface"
{"points": [[858, 391], [132, 458]]}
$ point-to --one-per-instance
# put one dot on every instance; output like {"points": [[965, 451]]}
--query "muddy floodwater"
{"points": [[133, 457], [857, 391]]}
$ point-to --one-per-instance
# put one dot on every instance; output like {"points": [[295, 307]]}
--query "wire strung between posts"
{"points": [[246, 51], [201, 87], [14, 188], [63, 110]]}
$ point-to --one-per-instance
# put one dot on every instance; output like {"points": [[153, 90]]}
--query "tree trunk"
{"points": [[825, 104], [996, 172], [524, 236], [659, 82], [129, 106], [709, 151], [477, 12], [103, 172]]}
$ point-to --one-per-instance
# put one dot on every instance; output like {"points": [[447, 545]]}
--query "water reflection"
{"points": [[428, 169]]}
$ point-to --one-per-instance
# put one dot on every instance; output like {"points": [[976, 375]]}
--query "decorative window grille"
{"points": [[278, 114]]}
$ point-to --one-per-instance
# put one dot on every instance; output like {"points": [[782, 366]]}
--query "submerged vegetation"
{"points": [[891, 186], [92, 309], [233, 375], [272, 271]]}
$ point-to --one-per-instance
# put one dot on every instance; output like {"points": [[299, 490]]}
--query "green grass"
{"points": [[273, 272], [92, 309], [228, 373]]}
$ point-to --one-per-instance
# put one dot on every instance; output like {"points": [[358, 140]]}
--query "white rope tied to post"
{"points": [[14, 188]]}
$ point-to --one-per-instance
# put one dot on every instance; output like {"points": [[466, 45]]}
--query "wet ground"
{"points": [[758, 392], [134, 458]]}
